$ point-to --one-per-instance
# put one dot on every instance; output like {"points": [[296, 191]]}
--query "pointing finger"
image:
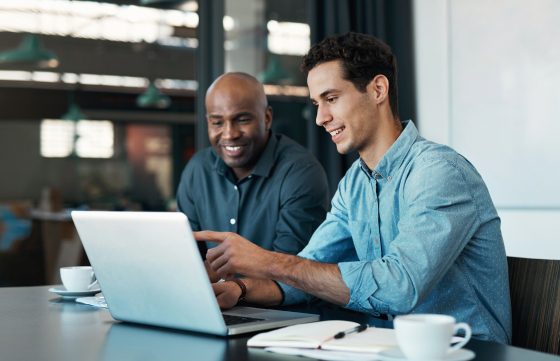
{"points": [[211, 236]]}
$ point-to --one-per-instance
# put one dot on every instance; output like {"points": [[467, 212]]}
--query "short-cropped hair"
{"points": [[362, 57]]}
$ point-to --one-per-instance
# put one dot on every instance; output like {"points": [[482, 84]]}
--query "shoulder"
{"points": [[438, 157], [202, 161], [438, 166], [298, 170], [203, 157], [290, 153]]}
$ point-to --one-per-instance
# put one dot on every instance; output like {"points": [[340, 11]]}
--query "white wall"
{"points": [[488, 84]]}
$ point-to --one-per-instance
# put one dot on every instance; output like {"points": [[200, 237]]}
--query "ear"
{"points": [[378, 88], [268, 118]]}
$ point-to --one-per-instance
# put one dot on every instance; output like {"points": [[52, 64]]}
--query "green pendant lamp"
{"points": [[153, 98], [275, 73], [74, 113], [31, 51]]}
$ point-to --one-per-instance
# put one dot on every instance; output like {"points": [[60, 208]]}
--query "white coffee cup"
{"points": [[78, 279], [428, 337]]}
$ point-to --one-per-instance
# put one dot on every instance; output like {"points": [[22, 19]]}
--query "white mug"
{"points": [[78, 279], [428, 337]]}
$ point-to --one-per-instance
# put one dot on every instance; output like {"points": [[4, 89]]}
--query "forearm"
{"points": [[237, 255], [262, 292], [322, 280]]}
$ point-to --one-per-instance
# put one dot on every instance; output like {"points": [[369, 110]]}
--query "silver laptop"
{"points": [[150, 272]]}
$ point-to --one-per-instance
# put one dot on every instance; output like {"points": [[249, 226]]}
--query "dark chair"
{"points": [[535, 303]]}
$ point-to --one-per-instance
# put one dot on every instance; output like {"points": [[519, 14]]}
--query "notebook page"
{"points": [[308, 335], [325, 355], [371, 340]]}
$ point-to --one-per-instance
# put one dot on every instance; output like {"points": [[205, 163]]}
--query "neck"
{"points": [[386, 135]]}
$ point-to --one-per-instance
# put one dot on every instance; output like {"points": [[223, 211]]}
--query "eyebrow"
{"points": [[325, 93], [242, 114], [235, 116]]}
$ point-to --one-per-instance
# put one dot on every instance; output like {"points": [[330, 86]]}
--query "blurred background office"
{"points": [[102, 103]]}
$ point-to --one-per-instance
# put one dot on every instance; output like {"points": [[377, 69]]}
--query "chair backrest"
{"points": [[534, 286]]}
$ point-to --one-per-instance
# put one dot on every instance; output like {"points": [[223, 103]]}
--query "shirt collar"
{"points": [[266, 161], [394, 157], [264, 164]]}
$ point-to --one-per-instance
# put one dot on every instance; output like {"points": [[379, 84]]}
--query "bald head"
{"points": [[239, 120], [239, 86]]}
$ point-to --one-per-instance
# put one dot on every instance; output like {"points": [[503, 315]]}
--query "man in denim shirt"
{"points": [[412, 227]]}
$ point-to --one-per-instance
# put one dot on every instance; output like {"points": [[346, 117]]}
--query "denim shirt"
{"points": [[418, 234]]}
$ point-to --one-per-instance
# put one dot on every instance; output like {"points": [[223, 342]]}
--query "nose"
{"points": [[323, 115], [231, 131]]}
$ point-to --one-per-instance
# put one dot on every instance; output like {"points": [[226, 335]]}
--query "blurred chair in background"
{"points": [[535, 303]]}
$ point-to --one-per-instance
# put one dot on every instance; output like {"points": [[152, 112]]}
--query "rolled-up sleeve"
{"points": [[439, 219], [331, 243]]}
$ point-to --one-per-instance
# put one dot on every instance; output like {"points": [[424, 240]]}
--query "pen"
{"points": [[352, 330]]}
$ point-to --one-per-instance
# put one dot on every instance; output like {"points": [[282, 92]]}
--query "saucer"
{"points": [[73, 294], [394, 354]]}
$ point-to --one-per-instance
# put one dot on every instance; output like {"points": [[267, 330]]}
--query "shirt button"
{"points": [[389, 178], [377, 175], [375, 200], [235, 187], [376, 240], [232, 221]]}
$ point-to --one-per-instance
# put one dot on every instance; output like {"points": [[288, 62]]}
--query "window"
{"points": [[87, 138]]}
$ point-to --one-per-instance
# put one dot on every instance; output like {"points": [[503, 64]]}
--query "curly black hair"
{"points": [[363, 58]]}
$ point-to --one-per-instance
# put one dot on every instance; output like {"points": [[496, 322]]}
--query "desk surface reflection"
{"points": [[36, 325]]}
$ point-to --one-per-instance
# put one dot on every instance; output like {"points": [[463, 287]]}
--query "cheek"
{"points": [[214, 136], [255, 134]]}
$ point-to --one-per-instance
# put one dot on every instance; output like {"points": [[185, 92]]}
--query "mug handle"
{"points": [[93, 284], [468, 334]]}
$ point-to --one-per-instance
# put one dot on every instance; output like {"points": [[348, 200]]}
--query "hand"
{"points": [[227, 294], [235, 254], [213, 276]]}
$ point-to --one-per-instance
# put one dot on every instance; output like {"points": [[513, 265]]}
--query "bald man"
{"points": [[260, 185]]}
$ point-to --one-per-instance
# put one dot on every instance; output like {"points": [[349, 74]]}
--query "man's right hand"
{"points": [[227, 294], [212, 275]]}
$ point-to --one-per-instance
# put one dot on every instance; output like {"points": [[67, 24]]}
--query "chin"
{"points": [[235, 163], [344, 148]]}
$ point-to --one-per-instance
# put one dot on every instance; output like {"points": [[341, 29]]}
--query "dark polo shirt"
{"points": [[278, 206]]}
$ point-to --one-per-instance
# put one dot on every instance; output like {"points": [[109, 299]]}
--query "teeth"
{"points": [[335, 132], [233, 149]]}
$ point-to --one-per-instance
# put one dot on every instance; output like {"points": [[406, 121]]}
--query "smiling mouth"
{"points": [[336, 131], [234, 150]]}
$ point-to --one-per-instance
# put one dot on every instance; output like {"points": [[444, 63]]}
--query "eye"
{"points": [[217, 123], [244, 120], [331, 99]]}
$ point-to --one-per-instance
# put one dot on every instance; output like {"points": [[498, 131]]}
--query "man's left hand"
{"points": [[227, 294], [235, 254]]}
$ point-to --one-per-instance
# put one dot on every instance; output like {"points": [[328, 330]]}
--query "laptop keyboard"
{"points": [[236, 320]]}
